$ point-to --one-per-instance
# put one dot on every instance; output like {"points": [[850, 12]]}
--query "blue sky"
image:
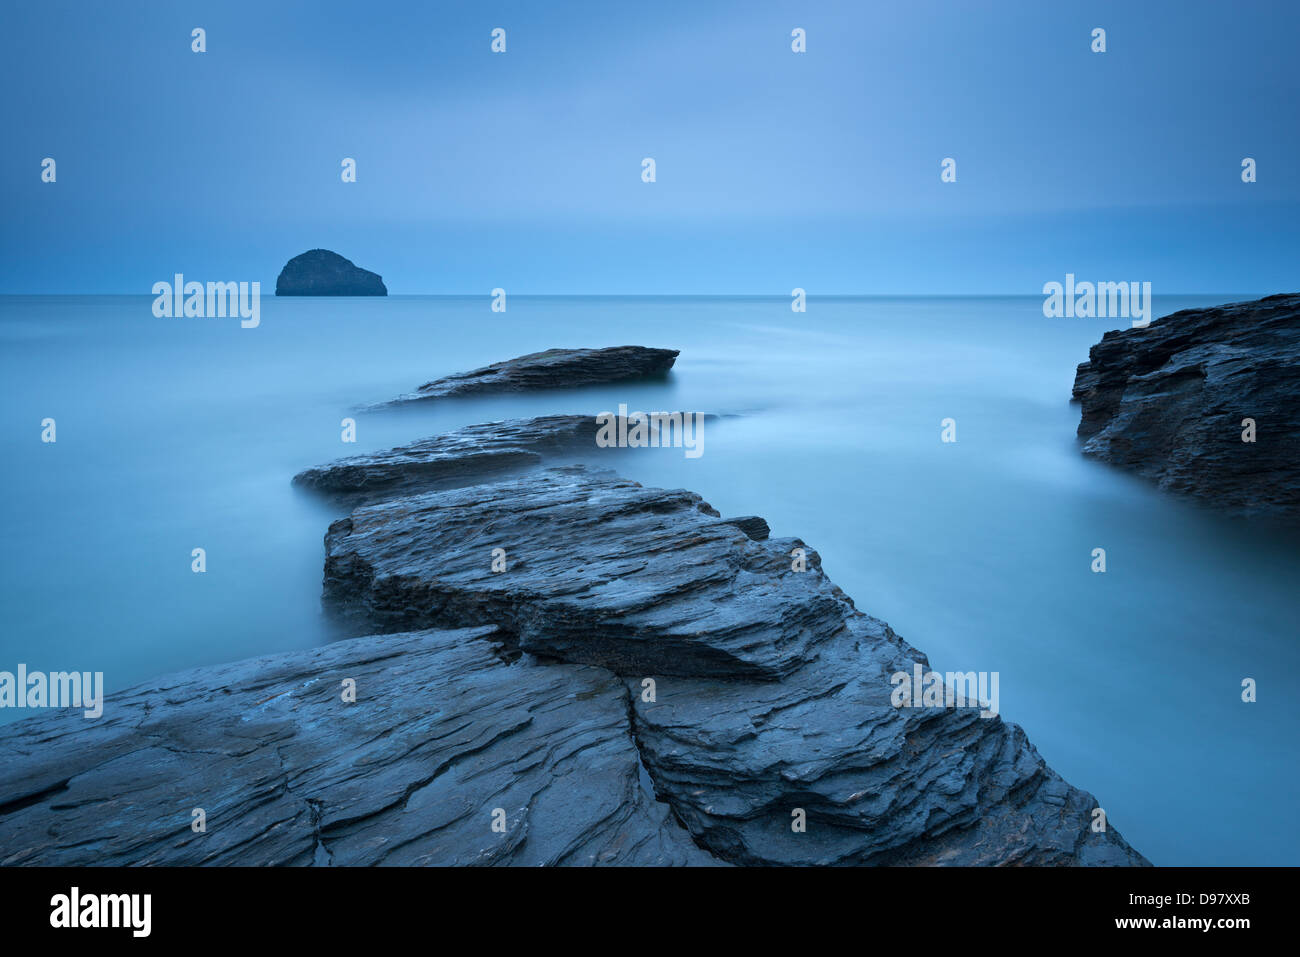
{"points": [[775, 169]]}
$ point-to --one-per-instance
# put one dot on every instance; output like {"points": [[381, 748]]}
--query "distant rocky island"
{"points": [[320, 272], [555, 665], [1203, 402]]}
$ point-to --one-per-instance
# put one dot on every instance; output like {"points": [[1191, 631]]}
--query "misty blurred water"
{"points": [[183, 433]]}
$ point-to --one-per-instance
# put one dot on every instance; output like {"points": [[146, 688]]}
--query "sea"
{"points": [[173, 434]]}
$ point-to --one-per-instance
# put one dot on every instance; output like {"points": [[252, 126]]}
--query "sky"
{"points": [[774, 169]]}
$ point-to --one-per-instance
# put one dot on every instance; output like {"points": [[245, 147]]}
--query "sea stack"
{"points": [[320, 272]]}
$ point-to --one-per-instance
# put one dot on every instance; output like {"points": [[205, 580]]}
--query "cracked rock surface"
{"points": [[878, 785], [1168, 402], [599, 571], [444, 730]]}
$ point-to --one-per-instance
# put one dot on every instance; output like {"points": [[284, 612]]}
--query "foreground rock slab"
{"points": [[552, 369], [1169, 402], [320, 272], [446, 727], [771, 692], [598, 570]]}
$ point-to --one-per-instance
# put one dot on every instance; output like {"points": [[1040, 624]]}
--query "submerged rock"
{"points": [[319, 272], [552, 369], [1170, 401], [444, 731], [771, 692]]}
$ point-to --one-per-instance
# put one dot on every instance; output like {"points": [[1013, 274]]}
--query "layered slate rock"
{"points": [[320, 272], [877, 785], [1168, 402], [472, 454], [755, 526], [552, 369], [444, 730], [468, 455], [772, 692], [600, 571]]}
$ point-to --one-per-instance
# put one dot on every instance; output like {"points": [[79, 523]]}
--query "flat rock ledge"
{"points": [[552, 369], [447, 728], [1169, 403], [467, 456], [320, 272]]}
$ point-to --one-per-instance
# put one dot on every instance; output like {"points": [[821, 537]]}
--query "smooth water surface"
{"points": [[183, 433]]}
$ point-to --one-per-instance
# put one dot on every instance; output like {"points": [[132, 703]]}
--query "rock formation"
{"points": [[1170, 401], [552, 369], [558, 666], [475, 453], [447, 727], [600, 571], [772, 692], [319, 272]]}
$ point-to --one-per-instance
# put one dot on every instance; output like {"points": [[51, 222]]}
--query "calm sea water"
{"points": [[183, 433]]}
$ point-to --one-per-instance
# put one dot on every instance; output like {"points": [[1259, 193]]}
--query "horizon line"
{"points": [[647, 295]]}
